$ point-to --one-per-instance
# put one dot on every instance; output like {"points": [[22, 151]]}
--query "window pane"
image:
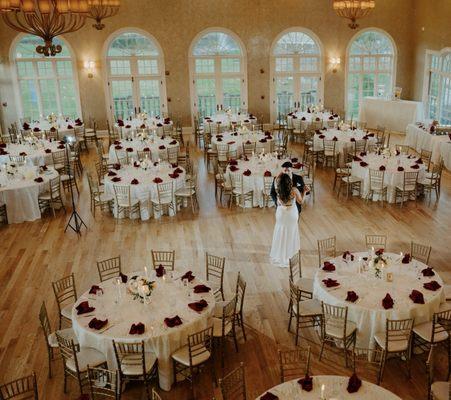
{"points": [[45, 68], [383, 85], [231, 88], [29, 96], [433, 95], [132, 44], [284, 64], [148, 67], [372, 42], [355, 63], [48, 97], [120, 67], [353, 95], [206, 96], [205, 65], [25, 69], [445, 117], [230, 65], [296, 43], [309, 90], [64, 68], [284, 93], [367, 85], [308, 64], [149, 93], [122, 94], [26, 48], [216, 43], [68, 98], [369, 63], [384, 63]]}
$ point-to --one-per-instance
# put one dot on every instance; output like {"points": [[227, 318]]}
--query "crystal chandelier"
{"points": [[353, 9], [45, 18], [101, 9]]}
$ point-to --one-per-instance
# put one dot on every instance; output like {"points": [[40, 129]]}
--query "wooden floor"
{"points": [[32, 255]]}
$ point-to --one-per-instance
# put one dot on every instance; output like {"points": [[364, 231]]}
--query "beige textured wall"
{"points": [[174, 23]]}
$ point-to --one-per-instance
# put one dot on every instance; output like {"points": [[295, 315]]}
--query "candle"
{"points": [[146, 272], [323, 389]]}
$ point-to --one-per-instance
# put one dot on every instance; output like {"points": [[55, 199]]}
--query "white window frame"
{"points": [[376, 71], [134, 76], [297, 74], [217, 75], [34, 60]]}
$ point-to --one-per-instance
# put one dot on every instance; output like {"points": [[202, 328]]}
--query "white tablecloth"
{"points": [[445, 151], [20, 194], [149, 122], [235, 141], [38, 154], [146, 188], [227, 119], [167, 300], [65, 127], [367, 312], [153, 145], [394, 115], [335, 387], [324, 117], [392, 176]]}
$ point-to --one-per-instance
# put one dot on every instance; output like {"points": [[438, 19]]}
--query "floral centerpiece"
{"points": [[143, 116], [378, 262], [52, 119], [140, 288]]}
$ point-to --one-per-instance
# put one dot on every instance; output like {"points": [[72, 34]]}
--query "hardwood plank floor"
{"points": [[32, 255]]}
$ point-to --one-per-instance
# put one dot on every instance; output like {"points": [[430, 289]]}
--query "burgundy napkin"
{"points": [[137, 329], [3, 152], [143, 126], [174, 175], [70, 127], [178, 170], [128, 126], [406, 258], [78, 121], [354, 384], [84, 308], [267, 173], [39, 179], [116, 179], [247, 172], [172, 322], [387, 302], [173, 142], [157, 180], [417, 297], [370, 134], [124, 278], [269, 396], [298, 165], [334, 138], [328, 266], [218, 136], [201, 289], [267, 133], [382, 168], [246, 120], [233, 168], [355, 158], [321, 136], [25, 126], [162, 147], [415, 166], [136, 164], [331, 117], [117, 167], [330, 282], [348, 253], [188, 275], [61, 146], [129, 150], [146, 149], [44, 167], [303, 119], [94, 289], [134, 182], [432, 285], [120, 122], [419, 161], [352, 139], [317, 119], [22, 153], [248, 142], [97, 324], [48, 151], [155, 163], [198, 305], [116, 142], [232, 142], [400, 169], [159, 124], [160, 271], [233, 162], [2, 145], [362, 153], [306, 383], [263, 140], [352, 296], [36, 129], [428, 271], [363, 164], [118, 147], [111, 173]]}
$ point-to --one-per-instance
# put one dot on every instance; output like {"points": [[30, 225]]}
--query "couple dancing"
{"points": [[288, 191]]}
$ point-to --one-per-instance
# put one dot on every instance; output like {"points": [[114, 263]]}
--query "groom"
{"points": [[298, 183]]}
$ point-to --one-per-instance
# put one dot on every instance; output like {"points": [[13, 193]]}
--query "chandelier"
{"points": [[101, 9], [353, 9], [45, 18]]}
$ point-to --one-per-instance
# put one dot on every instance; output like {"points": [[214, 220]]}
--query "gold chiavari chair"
{"points": [[77, 360], [101, 171], [240, 194], [222, 154], [173, 153], [408, 187], [309, 175], [19, 160], [25, 388], [164, 258], [135, 363], [190, 358], [327, 248], [380, 135], [109, 268], [240, 291], [266, 191], [403, 149], [294, 363], [75, 157], [59, 159], [214, 270], [341, 170], [295, 265], [165, 199], [376, 241], [337, 329], [249, 149], [90, 134], [233, 385], [224, 327], [52, 134], [367, 363], [104, 384], [396, 340], [426, 156], [329, 152], [121, 156], [98, 198], [67, 176], [431, 181], [124, 201], [50, 337], [304, 309], [188, 192], [113, 134], [66, 295], [420, 252], [144, 154], [349, 182], [359, 146], [51, 197], [437, 390], [377, 186], [225, 185]]}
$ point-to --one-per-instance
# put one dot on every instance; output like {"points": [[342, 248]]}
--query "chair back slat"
{"points": [[65, 290], [25, 388], [376, 241], [398, 331], [327, 248], [420, 252], [164, 258], [109, 268], [200, 343], [215, 268], [130, 356]]}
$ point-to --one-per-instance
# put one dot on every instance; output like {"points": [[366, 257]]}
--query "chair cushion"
{"points": [[67, 333], [217, 327], [103, 198], [425, 332], [305, 284], [309, 307], [393, 346], [86, 356], [440, 390], [67, 311], [185, 192], [337, 331], [182, 357], [351, 179], [44, 196], [130, 367]]}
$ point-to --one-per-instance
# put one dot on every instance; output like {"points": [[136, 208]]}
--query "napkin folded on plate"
{"points": [[218, 139], [94, 289], [382, 168], [146, 149], [415, 166], [136, 164], [157, 180], [116, 179], [129, 150], [97, 324], [172, 322], [116, 142], [48, 151], [355, 158], [134, 181], [234, 168], [160, 271], [188, 276], [330, 282], [198, 305], [178, 170], [231, 142], [352, 296], [269, 396], [118, 147], [162, 147], [124, 278], [328, 266], [267, 173], [387, 302], [247, 172], [348, 253], [117, 166], [111, 173], [417, 297], [352, 139], [428, 271], [201, 289], [39, 180], [248, 142], [400, 169], [432, 285], [406, 259], [3, 152], [84, 308], [159, 124], [419, 161], [334, 139], [306, 383], [174, 175], [303, 119], [233, 162], [218, 136], [137, 329], [70, 127], [321, 136], [354, 384], [362, 153], [363, 164]]}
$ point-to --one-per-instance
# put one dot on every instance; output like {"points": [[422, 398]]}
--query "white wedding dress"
{"points": [[286, 240]]}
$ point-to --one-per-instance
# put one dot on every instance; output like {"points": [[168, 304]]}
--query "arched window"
{"points": [[218, 73], [296, 72], [370, 68], [136, 79], [46, 85]]}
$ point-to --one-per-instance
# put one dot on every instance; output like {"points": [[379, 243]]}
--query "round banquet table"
{"points": [[20, 193], [153, 123], [146, 188], [258, 165], [139, 145], [367, 312], [335, 387], [392, 176], [227, 119], [38, 154], [235, 141], [168, 299], [65, 128], [324, 117]]}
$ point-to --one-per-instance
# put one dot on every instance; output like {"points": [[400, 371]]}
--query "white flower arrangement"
{"points": [[52, 119], [378, 262], [141, 288]]}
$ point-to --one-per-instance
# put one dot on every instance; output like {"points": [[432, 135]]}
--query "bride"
{"points": [[286, 241]]}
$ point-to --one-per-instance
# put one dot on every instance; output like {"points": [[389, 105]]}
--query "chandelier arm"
{"points": [[17, 24]]}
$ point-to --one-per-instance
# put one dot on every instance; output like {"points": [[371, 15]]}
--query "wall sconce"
{"points": [[90, 67], [335, 62]]}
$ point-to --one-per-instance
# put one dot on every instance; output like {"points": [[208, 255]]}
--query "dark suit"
{"points": [[298, 183]]}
